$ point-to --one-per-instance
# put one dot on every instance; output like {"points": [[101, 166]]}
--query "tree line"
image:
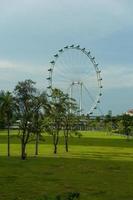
{"points": [[119, 124]]}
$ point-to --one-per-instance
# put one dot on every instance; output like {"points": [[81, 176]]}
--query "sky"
{"points": [[32, 31]]}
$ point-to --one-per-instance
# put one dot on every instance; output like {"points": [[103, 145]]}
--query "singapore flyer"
{"points": [[75, 71]]}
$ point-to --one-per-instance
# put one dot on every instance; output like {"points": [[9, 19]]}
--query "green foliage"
{"points": [[125, 125]]}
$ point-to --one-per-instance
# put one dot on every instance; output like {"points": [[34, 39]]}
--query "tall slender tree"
{"points": [[40, 106], [6, 109], [70, 119]]}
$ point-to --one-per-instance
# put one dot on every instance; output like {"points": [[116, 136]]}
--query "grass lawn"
{"points": [[99, 166]]}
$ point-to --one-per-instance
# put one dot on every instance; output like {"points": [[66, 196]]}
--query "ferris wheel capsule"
{"points": [[100, 79], [93, 58], [49, 69], [96, 64], [83, 49], [49, 87], [77, 46], [88, 53], [61, 50], [56, 55], [72, 45], [52, 62]]}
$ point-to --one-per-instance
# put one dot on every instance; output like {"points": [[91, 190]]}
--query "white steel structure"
{"points": [[75, 71]]}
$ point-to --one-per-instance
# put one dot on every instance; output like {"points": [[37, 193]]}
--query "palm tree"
{"points": [[6, 109]]}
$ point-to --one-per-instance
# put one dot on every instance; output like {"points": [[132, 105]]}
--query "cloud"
{"points": [[13, 71], [6, 64], [22, 66], [118, 77]]}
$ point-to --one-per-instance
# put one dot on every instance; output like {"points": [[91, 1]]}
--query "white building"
{"points": [[130, 112]]}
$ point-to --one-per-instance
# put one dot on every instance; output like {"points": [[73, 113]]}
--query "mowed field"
{"points": [[98, 166]]}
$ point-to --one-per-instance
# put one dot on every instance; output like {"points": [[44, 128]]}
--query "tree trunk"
{"points": [[37, 143], [66, 140], [127, 134], [55, 148], [66, 145], [8, 141], [55, 141], [23, 151]]}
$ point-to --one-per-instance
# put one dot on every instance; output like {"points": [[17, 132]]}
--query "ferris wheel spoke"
{"points": [[89, 94]]}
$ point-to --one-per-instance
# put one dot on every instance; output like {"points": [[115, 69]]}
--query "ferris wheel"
{"points": [[74, 70]]}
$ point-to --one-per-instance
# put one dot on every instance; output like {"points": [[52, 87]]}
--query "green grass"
{"points": [[99, 166]]}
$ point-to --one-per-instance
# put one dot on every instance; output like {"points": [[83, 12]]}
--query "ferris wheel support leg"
{"points": [[51, 78], [71, 95], [81, 88]]}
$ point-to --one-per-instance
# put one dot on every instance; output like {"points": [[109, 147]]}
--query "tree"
{"points": [[59, 117], [6, 110], [56, 115], [26, 109], [70, 119], [127, 122], [40, 105], [108, 121], [70, 123]]}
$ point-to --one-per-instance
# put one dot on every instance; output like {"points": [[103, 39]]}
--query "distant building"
{"points": [[130, 112]]}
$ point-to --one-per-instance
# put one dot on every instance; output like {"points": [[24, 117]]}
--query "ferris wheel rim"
{"points": [[95, 66]]}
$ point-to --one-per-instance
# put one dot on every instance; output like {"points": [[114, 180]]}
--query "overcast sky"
{"points": [[31, 31]]}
